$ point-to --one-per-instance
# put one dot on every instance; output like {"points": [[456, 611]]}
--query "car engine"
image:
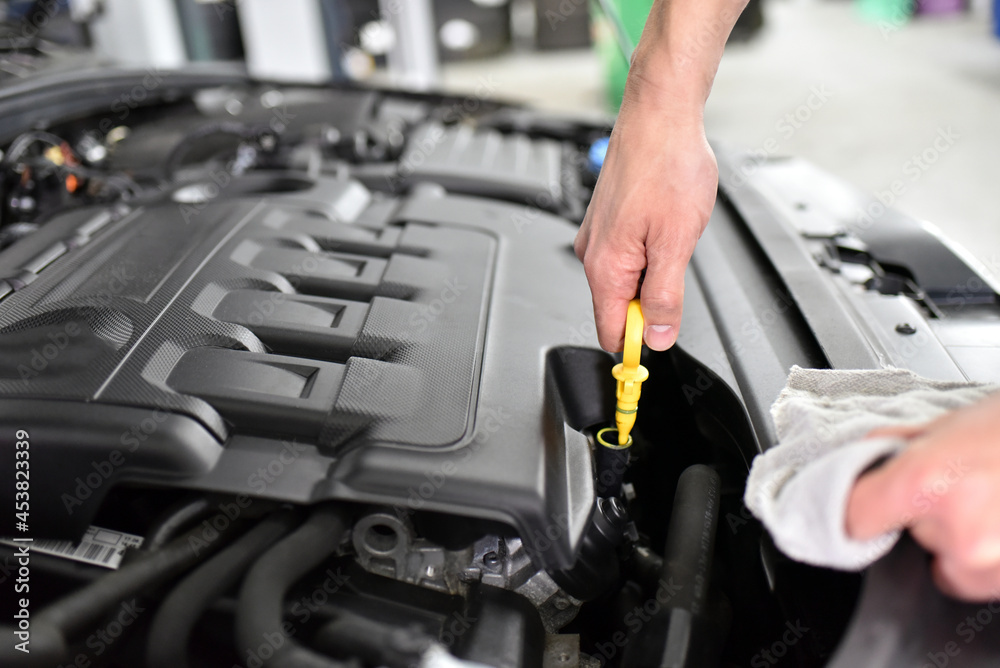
{"points": [[309, 377]]}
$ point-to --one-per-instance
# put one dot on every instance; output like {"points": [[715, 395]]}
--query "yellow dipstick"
{"points": [[629, 374]]}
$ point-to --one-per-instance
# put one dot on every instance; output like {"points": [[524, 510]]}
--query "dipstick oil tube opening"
{"points": [[612, 462]]}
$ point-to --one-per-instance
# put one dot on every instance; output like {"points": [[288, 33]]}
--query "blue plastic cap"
{"points": [[595, 156]]}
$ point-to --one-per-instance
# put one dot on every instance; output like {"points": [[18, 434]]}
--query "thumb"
{"points": [[878, 503], [662, 299]]}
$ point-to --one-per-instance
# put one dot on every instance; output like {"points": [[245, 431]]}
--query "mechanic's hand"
{"points": [[945, 488], [653, 199]]}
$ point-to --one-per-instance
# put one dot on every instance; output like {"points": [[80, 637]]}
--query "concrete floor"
{"points": [[891, 90]]}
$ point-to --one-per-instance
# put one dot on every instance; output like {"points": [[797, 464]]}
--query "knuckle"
{"points": [[918, 471], [591, 267], [663, 301], [598, 264]]}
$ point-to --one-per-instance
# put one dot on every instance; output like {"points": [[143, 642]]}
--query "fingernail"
{"points": [[660, 337]]}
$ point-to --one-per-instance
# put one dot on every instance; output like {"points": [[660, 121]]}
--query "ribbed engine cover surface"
{"points": [[397, 347]]}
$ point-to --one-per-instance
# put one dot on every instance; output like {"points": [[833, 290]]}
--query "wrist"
{"points": [[673, 94], [652, 111]]}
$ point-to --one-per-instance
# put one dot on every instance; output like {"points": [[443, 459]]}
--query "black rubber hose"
{"points": [[375, 643], [177, 615], [687, 556], [261, 604], [646, 567], [18, 147], [688, 630], [234, 128], [80, 611], [173, 520]]}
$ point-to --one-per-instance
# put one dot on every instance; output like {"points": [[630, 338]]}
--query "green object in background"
{"points": [[894, 12], [632, 15]]}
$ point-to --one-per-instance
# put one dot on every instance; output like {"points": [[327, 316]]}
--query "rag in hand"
{"points": [[799, 489]]}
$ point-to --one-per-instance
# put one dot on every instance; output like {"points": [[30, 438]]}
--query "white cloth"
{"points": [[799, 488]]}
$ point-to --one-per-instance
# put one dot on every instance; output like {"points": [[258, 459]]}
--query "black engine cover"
{"points": [[303, 339]]}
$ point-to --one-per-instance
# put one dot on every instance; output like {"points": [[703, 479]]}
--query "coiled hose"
{"points": [[177, 615], [261, 604]]}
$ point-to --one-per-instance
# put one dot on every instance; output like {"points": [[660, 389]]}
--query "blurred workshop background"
{"points": [[862, 88]]}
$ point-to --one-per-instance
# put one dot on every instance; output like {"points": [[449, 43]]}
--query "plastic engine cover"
{"points": [[303, 340]]}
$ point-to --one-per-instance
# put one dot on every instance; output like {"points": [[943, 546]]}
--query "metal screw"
{"points": [[491, 559], [906, 328]]}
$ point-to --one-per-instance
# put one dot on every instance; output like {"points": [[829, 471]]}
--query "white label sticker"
{"points": [[100, 547]]}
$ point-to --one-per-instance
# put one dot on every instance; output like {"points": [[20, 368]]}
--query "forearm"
{"points": [[678, 55], [658, 185]]}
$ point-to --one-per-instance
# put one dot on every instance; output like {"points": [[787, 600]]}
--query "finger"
{"points": [[912, 431], [879, 502], [961, 523], [613, 283], [903, 431], [663, 296], [955, 579], [929, 532]]}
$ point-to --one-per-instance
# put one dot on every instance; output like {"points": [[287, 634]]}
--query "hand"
{"points": [[945, 488], [653, 199]]}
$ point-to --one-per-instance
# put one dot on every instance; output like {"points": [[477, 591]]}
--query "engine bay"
{"points": [[310, 377]]}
